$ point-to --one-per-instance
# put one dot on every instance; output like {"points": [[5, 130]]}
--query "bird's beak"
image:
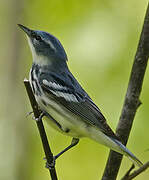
{"points": [[25, 29]]}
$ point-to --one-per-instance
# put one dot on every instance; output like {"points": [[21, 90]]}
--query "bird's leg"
{"points": [[74, 142], [41, 116], [43, 113]]}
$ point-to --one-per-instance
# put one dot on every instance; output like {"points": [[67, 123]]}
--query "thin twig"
{"points": [[46, 147], [131, 100], [128, 172], [136, 173]]}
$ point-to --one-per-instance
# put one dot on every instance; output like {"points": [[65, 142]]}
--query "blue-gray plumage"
{"points": [[68, 108]]}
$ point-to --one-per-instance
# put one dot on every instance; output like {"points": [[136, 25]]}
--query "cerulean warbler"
{"points": [[68, 107]]}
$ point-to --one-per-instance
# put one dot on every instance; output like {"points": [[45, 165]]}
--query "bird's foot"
{"points": [[42, 114], [33, 117], [50, 165], [29, 113]]}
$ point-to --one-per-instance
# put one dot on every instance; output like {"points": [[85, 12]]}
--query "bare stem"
{"points": [[128, 172], [129, 176], [132, 101], [43, 136]]}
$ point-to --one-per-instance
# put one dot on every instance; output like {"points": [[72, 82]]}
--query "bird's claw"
{"points": [[33, 117], [50, 165], [36, 119], [42, 114], [29, 113]]}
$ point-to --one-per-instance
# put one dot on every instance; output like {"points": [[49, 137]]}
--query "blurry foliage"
{"points": [[100, 38]]}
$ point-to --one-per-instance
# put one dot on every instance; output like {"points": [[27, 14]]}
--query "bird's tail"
{"points": [[113, 144], [125, 151]]}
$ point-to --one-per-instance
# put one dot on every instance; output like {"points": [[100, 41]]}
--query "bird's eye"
{"points": [[38, 38], [34, 35]]}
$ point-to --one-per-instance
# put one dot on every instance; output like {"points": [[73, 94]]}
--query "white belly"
{"points": [[71, 122]]}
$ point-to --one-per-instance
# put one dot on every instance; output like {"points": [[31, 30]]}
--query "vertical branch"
{"points": [[131, 102], [43, 136]]}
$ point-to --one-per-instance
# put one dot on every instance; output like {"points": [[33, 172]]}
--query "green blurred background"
{"points": [[100, 38]]}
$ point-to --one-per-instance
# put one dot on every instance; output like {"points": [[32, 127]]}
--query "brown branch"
{"points": [[129, 176], [43, 136], [131, 100]]}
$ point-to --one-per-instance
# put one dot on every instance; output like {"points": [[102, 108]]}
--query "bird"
{"points": [[65, 104]]}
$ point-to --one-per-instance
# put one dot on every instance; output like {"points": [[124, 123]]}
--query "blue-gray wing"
{"points": [[66, 91]]}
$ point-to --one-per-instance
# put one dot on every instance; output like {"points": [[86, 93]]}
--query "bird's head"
{"points": [[45, 47]]}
